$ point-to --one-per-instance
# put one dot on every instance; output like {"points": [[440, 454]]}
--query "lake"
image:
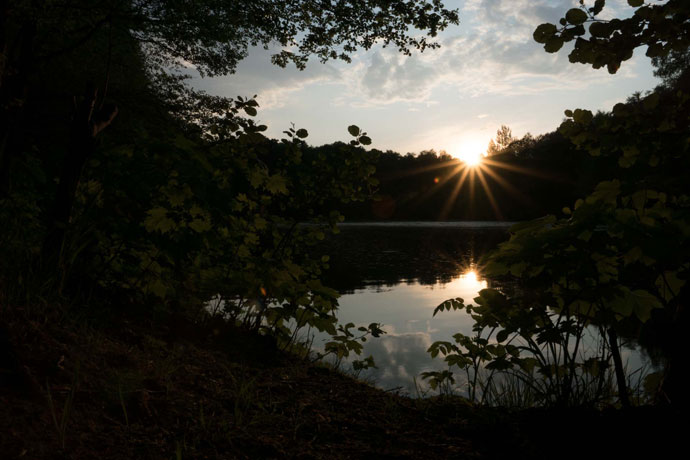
{"points": [[397, 274]]}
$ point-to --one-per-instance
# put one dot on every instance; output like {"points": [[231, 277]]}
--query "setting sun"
{"points": [[470, 152], [471, 158]]}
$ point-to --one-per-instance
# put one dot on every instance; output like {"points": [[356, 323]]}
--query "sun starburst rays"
{"points": [[489, 194], [508, 186], [471, 175], [450, 202], [519, 169]]}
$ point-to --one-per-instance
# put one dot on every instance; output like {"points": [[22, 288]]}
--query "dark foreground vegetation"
{"points": [[125, 390], [154, 275], [616, 260]]}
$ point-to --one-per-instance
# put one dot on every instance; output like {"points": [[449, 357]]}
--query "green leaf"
{"points": [[499, 364], [502, 335], [528, 364], [450, 304], [600, 29], [259, 222], [613, 67], [553, 44], [626, 162], [630, 150], [668, 285], [544, 32], [158, 289], [635, 3], [633, 255], [251, 111], [302, 133], [583, 117], [533, 225], [644, 303], [654, 50], [575, 16], [200, 225], [353, 130], [638, 302], [277, 184], [157, 220], [518, 268], [257, 177], [585, 235], [494, 268], [598, 6], [606, 191], [365, 140], [243, 251]]}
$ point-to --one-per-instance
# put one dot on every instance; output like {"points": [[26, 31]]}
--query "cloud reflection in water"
{"points": [[406, 312]]}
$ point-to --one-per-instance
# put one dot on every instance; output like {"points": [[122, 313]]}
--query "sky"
{"points": [[488, 72]]}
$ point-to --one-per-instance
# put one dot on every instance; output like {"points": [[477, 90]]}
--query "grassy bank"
{"points": [[126, 391]]}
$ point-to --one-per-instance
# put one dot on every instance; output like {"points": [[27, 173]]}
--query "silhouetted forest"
{"points": [[160, 256], [526, 180]]}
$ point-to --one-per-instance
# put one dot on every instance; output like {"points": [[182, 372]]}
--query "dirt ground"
{"points": [[125, 391]]}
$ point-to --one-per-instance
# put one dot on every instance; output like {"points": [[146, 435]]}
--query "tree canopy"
{"points": [[504, 137], [664, 27], [214, 35], [117, 178]]}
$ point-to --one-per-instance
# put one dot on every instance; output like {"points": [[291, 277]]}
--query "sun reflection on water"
{"points": [[467, 285]]}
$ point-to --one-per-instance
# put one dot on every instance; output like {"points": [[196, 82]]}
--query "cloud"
{"points": [[514, 18], [394, 77], [493, 53], [488, 68], [529, 13], [273, 86], [400, 358]]}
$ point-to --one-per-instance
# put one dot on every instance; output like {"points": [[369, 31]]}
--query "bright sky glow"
{"points": [[488, 72], [471, 151]]}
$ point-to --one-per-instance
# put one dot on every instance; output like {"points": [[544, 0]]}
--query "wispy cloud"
{"points": [[493, 54], [488, 71], [274, 87]]}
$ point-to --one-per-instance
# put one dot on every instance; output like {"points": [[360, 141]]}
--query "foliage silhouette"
{"points": [[618, 260], [147, 192]]}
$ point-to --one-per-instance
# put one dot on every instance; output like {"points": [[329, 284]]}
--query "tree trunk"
{"points": [[16, 63], [85, 127], [618, 365]]}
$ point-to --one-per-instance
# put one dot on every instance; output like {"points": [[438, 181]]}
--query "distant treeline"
{"points": [[528, 178]]}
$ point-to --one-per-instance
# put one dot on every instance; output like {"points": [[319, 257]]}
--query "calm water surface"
{"points": [[396, 274]]}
